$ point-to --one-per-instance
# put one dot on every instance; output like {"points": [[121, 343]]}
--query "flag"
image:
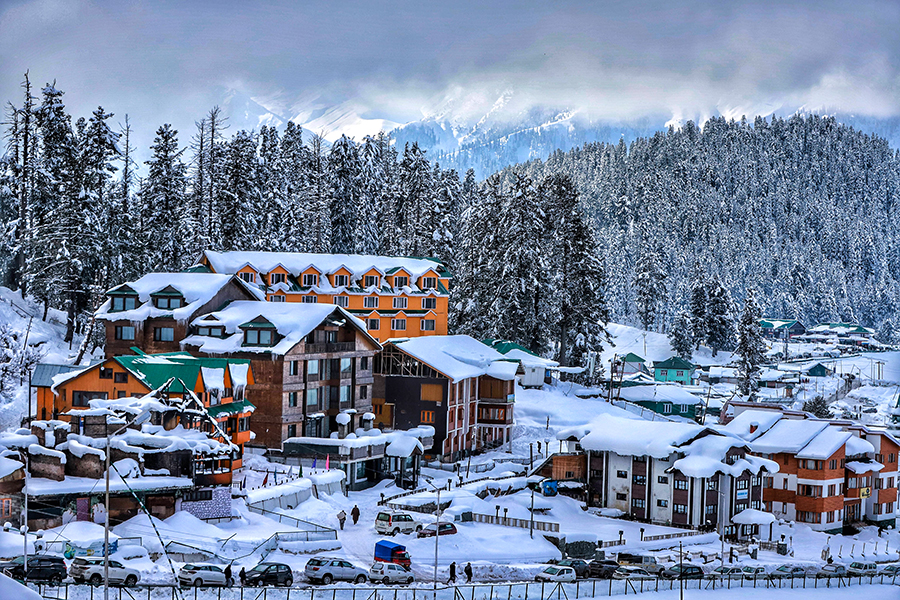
{"points": [[327, 460], [314, 463], [265, 479]]}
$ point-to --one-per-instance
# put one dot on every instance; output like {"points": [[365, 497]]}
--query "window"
{"points": [[679, 373], [121, 394], [370, 281], [312, 397], [622, 474], [667, 408], [258, 337], [341, 280], [892, 457], [197, 496], [292, 398], [427, 325], [683, 408], [294, 367], [637, 503], [81, 398], [163, 334], [832, 464], [310, 279], [400, 281], [742, 484], [639, 479], [247, 277], [831, 489], [711, 509], [427, 416], [277, 298], [370, 302], [662, 503], [124, 332], [829, 517], [681, 484], [363, 392], [621, 496], [712, 484], [364, 363], [167, 302], [342, 301], [812, 491], [292, 431], [373, 324], [429, 303], [312, 367], [5, 508], [244, 424], [346, 367], [879, 458], [121, 378], [310, 300], [662, 479], [120, 303], [680, 509], [277, 278], [398, 324], [106, 373], [400, 302], [429, 283], [211, 331]]}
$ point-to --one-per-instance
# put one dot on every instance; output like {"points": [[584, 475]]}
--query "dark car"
{"points": [[442, 529], [40, 568], [682, 572], [603, 569], [582, 568], [270, 573]]}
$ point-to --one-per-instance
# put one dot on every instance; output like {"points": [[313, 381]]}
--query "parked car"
{"points": [[727, 573], [788, 572], [327, 570], [557, 574], [382, 572], [270, 573], [91, 569], [682, 571], [632, 573], [603, 569], [892, 571], [441, 528], [829, 571], [751, 573], [392, 522], [860, 569], [648, 563], [41, 567], [202, 575], [582, 569]]}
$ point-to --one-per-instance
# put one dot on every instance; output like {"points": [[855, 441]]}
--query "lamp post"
{"points": [[437, 530], [532, 513], [24, 527]]}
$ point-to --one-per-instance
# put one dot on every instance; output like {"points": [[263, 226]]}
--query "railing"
{"points": [[670, 536], [520, 523], [306, 526], [387, 499], [326, 347]]}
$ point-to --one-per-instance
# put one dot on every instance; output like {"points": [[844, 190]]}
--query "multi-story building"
{"points": [[394, 296], [781, 329], [668, 472], [311, 362], [832, 474], [456, 384]]}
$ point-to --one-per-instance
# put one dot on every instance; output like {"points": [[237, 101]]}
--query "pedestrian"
{"points": [[243, 576], [228, 580], [452, 573], [342, 516], [355, 514], [468, 572]]}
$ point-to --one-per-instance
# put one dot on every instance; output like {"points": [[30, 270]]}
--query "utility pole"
{"points": [[532, 513], [24, 528], [437, 536]]}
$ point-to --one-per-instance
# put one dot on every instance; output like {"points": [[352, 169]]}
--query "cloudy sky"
{"points": [[170, 60]]}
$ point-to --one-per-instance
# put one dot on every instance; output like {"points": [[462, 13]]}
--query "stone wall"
{"points": [[89, 465], [217, 508], [50, 467]]}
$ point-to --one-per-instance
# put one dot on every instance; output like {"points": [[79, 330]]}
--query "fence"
{"points": [[520, 523], [588, 588], [307, 526], [670, 536]]}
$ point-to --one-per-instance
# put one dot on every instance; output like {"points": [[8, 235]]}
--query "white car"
{"points": [[861, 569], [392, 522], [385, 572], [203, 575], [554, 573], [328, 570], [632, 573], [91, 569], [727, 573]]}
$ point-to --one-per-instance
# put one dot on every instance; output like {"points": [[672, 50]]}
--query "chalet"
{"points": [[12, 482], [220, 384], [394, 296], [668, 472], [629, 364], [675, 370], [456, 384], [666, 399], [533, 371], [781, 329], [311, 363], [153, 312]]}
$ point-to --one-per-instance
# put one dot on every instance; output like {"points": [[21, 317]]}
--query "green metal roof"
{"points": [[777, 323], [123, 289], [673, 363], [504, 346], [153, 370], [197, 269], [230, 409], [631, 357], [257, 324]]}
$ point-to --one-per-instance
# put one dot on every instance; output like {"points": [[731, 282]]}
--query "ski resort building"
{"points": [[456, 384], [781, 329], [674, 370], [668, 472], [393, 296]]}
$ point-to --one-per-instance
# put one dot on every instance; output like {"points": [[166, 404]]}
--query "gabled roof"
{"points": [[457, 356], [674, 362], [778, 323], [825, 444], [658, 393], [631, 357], [44, 373], [788, 435]]}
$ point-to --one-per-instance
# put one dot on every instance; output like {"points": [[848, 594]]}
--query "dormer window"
{"points": [[370, 281], [429, 283], [211, 331], [258, 337], [310, 279], [247, 277], [277, 278], [120, 303], [341, 280], [400, 281], [168, 302]]}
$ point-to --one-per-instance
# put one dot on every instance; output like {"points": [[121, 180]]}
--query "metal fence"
{"points": [[520, 523], [323, 532], [589, 588]]}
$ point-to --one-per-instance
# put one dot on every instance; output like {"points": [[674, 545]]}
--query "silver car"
{"points": [[91, 569], [327, 570], [385, 572], [203, 575]]}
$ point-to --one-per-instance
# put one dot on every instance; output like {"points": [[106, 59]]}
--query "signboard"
{"points": [[865, 492], [742, 494]]}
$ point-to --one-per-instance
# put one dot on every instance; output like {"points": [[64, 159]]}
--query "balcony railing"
{"points": [[330, 347]]}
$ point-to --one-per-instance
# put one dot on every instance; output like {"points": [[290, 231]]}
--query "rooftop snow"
{"points": [[859, 467], [856, 446], [38, 486], [788, 435], [740, 425], [825, 444], [9, 466], [292, 320], [658, 393], [457, 356], [628, 437]]}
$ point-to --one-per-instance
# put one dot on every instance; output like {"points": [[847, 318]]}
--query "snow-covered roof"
{"points": [[292, 320], [706, 456], [9, 466], [752, 516], [857, 445], [658, 393], [825, 444], [716, 371], [457, 356], [398, 443], [196, 288], [860, 467], [741, 424], [788, 435], [530, 360], [631, 437], [297, 262]]}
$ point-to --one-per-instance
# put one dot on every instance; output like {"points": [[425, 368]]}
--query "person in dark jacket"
{"points": [[354, 514], [452, 573], [243, 576], [228, 580], [468, 572]]}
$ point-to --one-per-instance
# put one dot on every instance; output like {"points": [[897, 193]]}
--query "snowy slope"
{"points": [[652, 347]]}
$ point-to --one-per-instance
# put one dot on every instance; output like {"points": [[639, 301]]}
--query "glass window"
{"points": [[400, 302], [370, 302], [310, 299], [121, 378], [342, 301], [292, 431], [345, 393], [277, 278], [364, 363], [346, 366], [341, 280], [429, 303], [427, 325], [373, 324], [163, 334], [277, 298], [120, 303], [312, 397], [398, 324], [247, 277], [265, 337], [292, 398], [363, 392], [370, 281], [124, 332], [429, 283], [106, 373], [310, 279], [312, 367], [400, 281]]}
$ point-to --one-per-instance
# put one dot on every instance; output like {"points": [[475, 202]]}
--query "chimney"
{"points": [[754, 426], [367, 420]]}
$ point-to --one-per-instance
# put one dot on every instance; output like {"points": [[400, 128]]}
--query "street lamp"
{"points": [[142, 417], [437, 531]]}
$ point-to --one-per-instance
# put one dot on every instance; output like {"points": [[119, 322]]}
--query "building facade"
{"points": [[674, 370]]}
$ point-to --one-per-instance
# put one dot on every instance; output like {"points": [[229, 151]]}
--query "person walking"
{"points": [[342, 516], [468, 572], [228, 580], [354, 514], [452, 573], [243, 576]]}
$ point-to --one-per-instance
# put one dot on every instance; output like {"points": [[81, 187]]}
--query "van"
{"points": [[392, 522], [648, 563]]}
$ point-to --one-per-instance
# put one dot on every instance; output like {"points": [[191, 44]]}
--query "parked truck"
{"points": [[386, 551]]}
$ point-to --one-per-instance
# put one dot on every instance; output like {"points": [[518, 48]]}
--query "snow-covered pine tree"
{"points": [[216, 123], [750, 347], [163, 201], [272, 191], [239, 194], [130, 253], [373, 185], [344, 174], [294, 233], [818, 407], [649, 284], [719, 319], [443, 204], [681, 336], [697, 311], [319, 201], [416, 189]]}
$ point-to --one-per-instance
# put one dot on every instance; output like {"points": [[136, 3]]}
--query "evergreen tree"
{"points": [[681, 336], [719, 322], [319, 201], [163, 201], [413, 203], [344, 170], [817, 407], [750, 347], [239, 195], [649, 283], [697, 314]]}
